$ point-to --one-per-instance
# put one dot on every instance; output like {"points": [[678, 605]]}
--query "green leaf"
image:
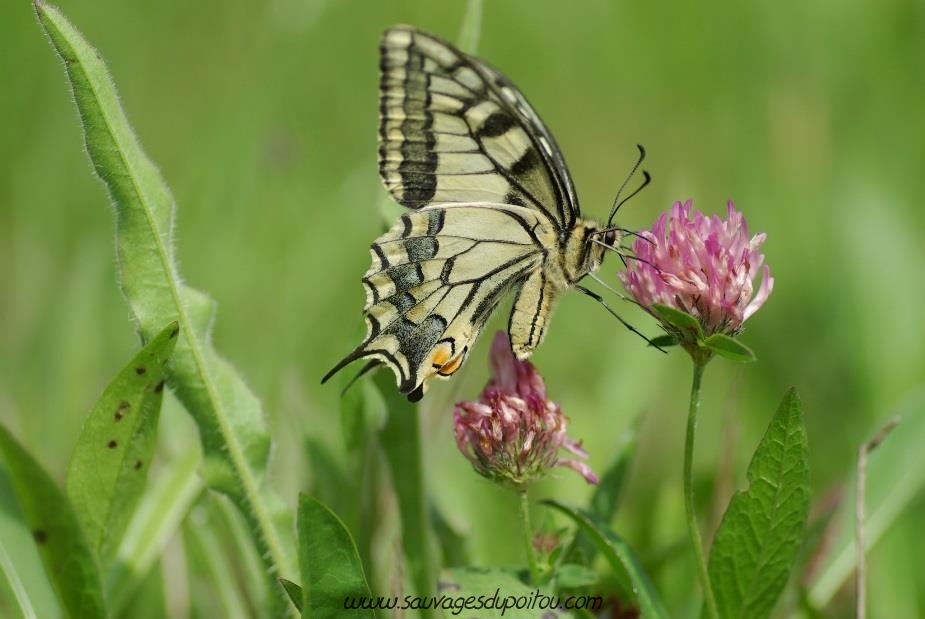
{"points": [[231, 426], [401, 440], [499, 591], [680, 320], [109, 468], [895, 481], [620, 557], [294, 592], [761, 532], [329, 562], [69, 562], [730, 348], [663, 341]]}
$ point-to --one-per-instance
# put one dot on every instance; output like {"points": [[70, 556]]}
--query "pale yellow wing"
{"points": [[436, 276], [454, 130]]}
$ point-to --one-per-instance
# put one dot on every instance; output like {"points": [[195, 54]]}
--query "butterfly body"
{"points": [[493, 211]]}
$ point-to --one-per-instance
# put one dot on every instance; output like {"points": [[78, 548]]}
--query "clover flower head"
{"points": [[514, 432], [701, 265]]}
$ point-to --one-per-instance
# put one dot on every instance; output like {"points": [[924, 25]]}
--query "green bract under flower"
{"points": [[513, 433]]}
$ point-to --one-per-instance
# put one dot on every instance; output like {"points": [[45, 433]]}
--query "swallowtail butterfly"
{"points": [[492, 210]]}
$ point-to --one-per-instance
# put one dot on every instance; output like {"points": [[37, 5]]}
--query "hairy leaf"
{"points": [[231, 427]]}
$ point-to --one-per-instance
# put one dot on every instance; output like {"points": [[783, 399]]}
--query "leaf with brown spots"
{"points": [[103, 481], [66, 556]]}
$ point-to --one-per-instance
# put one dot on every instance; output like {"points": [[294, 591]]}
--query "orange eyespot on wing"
{"points": [[448, 369], [441, 355]]}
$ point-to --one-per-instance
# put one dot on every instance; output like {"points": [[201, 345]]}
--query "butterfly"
{"points": [[492, 206]]}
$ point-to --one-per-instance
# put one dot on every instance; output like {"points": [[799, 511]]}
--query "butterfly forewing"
{"points": [[453, 130]]}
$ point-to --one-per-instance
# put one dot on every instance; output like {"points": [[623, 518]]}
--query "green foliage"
{"points": [[69, 560], [235, 441], [329, 563], [110, 464], [763, 527], [620, 557]]}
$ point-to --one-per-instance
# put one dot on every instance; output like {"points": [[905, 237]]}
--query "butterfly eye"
{"points": [[610, 237]]}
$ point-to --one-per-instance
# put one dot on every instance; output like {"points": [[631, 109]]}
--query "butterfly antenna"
{"points": [[603, 303], [617, 203], [636, 234]]}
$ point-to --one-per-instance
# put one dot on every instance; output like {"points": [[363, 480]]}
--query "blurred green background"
{"points": [[262, 117]]}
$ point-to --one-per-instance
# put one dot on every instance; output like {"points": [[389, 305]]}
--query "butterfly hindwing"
{"points": [[435, 278], [453, 130]]}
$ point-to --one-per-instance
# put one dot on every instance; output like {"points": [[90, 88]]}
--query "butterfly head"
{"points": [[586, 247]]}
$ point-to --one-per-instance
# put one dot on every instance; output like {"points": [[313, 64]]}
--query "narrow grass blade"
{"points": [[620, 557], [761, 532], [162, 508], [471, 27], [210, 561], [895, 479], [401, 440], [69, 562], [109, 468], [231, 426], [330, 564], [14, 582]]}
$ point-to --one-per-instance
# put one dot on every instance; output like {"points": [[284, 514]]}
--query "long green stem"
{"points": [[528, 537], [693, 529]]}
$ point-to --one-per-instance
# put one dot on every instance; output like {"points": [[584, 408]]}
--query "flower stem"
{"points": [[528, 537], [693, 529]]}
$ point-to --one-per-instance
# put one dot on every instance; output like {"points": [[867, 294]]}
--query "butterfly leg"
{"points": [[600, 300]]}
